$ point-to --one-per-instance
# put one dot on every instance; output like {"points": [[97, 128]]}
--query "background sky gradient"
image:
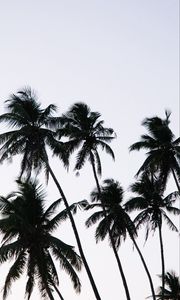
{"points": [[122, 59]]}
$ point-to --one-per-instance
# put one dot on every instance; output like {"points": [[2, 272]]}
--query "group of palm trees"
{"points": [[27, 227]]}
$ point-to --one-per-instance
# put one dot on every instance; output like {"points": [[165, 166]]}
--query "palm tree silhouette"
{"points": [[34, 132], [84, 130], [117, 219], [172, 287], [27, 237], [163, 156], [153, 207]]}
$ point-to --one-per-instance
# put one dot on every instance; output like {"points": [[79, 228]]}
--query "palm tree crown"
{"points": [[151, 203], [172, 287], [27, 236], [33, 131], [117, 220], [27, 229], [163, 156], [85, 131]]}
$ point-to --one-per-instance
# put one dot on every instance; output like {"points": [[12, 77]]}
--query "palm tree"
{"points": [[27, 237], [172, 287], [153, 207], [34, 131], [85, 130], [163, 154], [116, 218]]}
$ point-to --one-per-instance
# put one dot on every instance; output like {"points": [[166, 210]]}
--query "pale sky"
{"points": [[122, 59]]}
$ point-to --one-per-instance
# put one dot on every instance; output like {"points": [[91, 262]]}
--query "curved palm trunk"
{"points": [[176, 181], [91, 279], [110, 235], [145, 267], [162, 261]]}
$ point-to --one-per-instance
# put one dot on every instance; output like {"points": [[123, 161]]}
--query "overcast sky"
{"points": [[122, 59]]}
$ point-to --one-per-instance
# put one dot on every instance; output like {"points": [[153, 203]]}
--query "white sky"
{"points": [[122, 59]]}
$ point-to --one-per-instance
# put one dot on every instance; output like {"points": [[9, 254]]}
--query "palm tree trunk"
{"points": [[145, 267], [91, 279], [162, 261], [176, 181], [110, 235]]}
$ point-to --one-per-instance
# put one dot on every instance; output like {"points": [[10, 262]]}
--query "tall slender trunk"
{"points": [[162, 261], [145, 267], [91, 279], [176, 181], [109, 232]]}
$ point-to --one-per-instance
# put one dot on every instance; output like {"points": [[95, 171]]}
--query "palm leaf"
{"points": [[10, 250], [169, 222], [94, 218], [14, 273]]}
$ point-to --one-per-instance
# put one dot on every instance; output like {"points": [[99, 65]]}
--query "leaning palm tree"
{"points": [[172, 287], [34, 132], [85, 132], [27, 229], [163, 154], [154, 208], [116, 218]]}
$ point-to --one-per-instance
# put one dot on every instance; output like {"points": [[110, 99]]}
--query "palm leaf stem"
{"points": [[109, 231], [91, 279]]}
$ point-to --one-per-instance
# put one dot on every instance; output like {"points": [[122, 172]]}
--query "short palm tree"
{"points": [[34, 132], [172, 287], [163, 154], [27, 229], [116, 218], [153, 207]]}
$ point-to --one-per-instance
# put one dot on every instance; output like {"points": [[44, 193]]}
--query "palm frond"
{"points": [[31, 271], [67, 251], [98, 162], [135, 203], [106, 147], [10, 250], [141, 219], [67, 258], [169, 222], [103, 228], [95, 217], [14, 273], [81, 157], [139, 145], [51, 209]]}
